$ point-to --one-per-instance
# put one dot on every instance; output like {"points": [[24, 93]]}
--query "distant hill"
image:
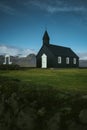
{"points": [[82, 63], [29, 61], [1, 59]]}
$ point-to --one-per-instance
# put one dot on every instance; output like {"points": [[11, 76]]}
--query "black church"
{"points": [[53, 56]]}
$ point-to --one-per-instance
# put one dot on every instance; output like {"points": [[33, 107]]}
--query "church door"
{"points": [[44, 61]]}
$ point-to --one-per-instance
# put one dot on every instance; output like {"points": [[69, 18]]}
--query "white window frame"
{"points": [[67, 60], [74, 61], [59, 59]]}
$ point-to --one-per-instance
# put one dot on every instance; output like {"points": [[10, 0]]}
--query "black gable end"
{"points": [[50, 56]]}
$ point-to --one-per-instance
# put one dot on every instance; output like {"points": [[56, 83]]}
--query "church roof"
{"points": [[61, 51]]}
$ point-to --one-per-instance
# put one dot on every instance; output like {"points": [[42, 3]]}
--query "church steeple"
{"points": [[46, 38]]}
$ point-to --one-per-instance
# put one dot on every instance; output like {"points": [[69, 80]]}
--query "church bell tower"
{"points": [[46, 38]]}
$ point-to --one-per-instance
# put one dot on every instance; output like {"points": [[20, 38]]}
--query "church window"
{"points": [[59, 59], [74, 60], [67, 60]]}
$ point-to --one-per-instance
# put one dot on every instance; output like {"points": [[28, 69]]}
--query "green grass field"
{"points": [[43, 99], [62, 79]]}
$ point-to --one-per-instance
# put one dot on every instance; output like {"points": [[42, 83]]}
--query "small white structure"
{"points": [[7, 60], [44, 61]]}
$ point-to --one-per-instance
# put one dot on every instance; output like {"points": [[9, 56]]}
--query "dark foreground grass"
{"points": [[36, 99]]}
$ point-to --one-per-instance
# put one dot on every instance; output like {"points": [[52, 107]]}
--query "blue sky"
{"points": [[23, 22]]}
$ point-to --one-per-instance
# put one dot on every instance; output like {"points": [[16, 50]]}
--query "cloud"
{"points": [[83, 56], [50, 6], [59, 5], [13, 51], [64, 9], [7, 9]]}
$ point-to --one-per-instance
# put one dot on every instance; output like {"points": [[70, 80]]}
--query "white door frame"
{"points": [[44, 61], [7, 59]]}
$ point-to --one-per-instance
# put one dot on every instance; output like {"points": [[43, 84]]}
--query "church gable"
{"points": [[44, 50]]}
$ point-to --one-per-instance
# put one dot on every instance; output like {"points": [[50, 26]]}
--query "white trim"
{"points": [[44, 61]]}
